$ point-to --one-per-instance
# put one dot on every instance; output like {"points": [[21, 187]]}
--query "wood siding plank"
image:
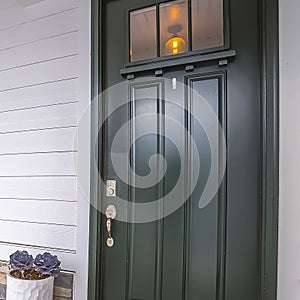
{"points": [[39, 73], [64, 115], [38, 164], [16, 15], [63, 213], [46, 94], [45, 235], [58, 139], [43, 50], [42, 28], [53, 188]]}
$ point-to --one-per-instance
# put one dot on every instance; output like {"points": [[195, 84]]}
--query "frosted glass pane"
{"points": [[143, 34], [207, 24], [173, 27]]}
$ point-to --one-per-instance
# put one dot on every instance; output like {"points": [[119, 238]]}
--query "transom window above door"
{"points": [[176, 27]]}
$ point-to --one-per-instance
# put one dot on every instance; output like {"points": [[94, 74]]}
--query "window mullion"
{"points": [[190, 34], [158, 29]]}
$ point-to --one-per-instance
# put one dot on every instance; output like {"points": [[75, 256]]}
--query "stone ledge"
{"points": [[3, 278]]}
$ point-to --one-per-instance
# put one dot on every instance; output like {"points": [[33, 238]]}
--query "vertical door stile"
{"points": [[131, 193], [187, 185], [160, 191], [222, 193]]}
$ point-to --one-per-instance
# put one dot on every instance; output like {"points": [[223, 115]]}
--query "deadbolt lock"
{"points": [[111, 188]]}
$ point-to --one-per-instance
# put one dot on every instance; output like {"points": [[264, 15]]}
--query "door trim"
{"points": [[270, 149]]}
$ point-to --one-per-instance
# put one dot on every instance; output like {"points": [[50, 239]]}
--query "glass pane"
{"points": [[143, 34], [207, 24], [173, 27]]}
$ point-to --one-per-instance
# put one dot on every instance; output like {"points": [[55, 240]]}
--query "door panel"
{"points": [[142, 251], [204, 245], [209, 253]]}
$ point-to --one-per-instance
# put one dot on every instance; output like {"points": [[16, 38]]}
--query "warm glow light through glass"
{"points": [[177, 30], [175, 45], [173, 27]]}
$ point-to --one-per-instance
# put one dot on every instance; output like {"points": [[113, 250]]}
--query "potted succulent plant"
{"points": [[31, 279]]}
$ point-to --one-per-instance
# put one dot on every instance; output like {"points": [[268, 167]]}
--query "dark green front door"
{"points": [[176, 250]]}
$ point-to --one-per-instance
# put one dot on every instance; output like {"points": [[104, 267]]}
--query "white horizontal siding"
{"points": [[55, 115], [57, 139], [39, 188], [44, 50], [45, 235], [43, 28], [38, 164], [62, 213], [35, 74], [63, 91], [17, 16], [44, 88]]}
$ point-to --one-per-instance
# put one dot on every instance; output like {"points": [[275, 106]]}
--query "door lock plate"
{"points": [[111, 188]]}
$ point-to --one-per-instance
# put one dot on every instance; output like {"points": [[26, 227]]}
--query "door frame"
{"points": [[269, 16]]}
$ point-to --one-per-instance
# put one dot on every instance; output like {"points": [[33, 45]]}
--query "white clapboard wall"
{"points": [[44, 88]]}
